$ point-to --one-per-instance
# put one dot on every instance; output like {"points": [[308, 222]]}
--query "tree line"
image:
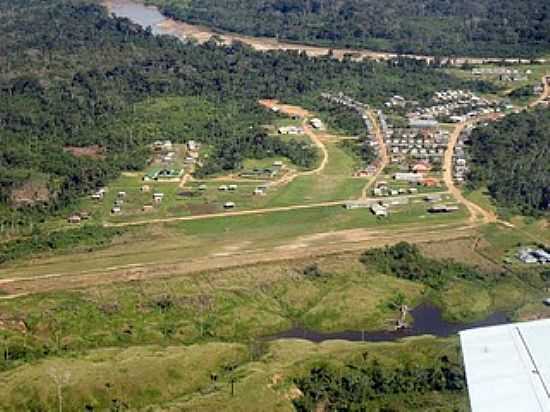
{"points": [[512, 159], [505, 28]]}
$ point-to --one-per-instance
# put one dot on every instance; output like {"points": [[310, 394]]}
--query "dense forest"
{"points": [[71, 75], [440, 27], [512, 159], [372, 387]]}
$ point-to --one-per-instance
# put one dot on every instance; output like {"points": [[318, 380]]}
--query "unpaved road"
{"points": [[309, 246], [545, 92], [476, 211], [383, 153]]}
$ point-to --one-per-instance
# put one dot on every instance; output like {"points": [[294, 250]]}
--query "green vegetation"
{"points": [[480, 28], [87, 238], [510, 158], [372, 386], [404, 260]]}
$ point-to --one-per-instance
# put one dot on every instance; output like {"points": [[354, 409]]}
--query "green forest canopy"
{"points": [[70, 75], [512, 158], [441, 27]]}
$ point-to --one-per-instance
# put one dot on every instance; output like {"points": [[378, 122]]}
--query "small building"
{"points": [[229, 205], [357, 204], [223, 188], [409, 177], [232, 187], [74, 219], [542, 256], [442, 209], [433, 198], [259, 191], [116, 210], [121, 194], [202, 188], [316, 123], [379, 210], [157, 197], [119, 202], [147, 208]]}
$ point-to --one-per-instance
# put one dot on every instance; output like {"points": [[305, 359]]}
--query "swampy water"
{"points": [[428, 320]]}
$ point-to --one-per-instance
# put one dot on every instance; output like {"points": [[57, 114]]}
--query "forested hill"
{"points": [[512, 157], [468, 27], [70, 75]]}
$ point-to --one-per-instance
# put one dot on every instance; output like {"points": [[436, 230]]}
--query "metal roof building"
{"points": [[508, 367]]}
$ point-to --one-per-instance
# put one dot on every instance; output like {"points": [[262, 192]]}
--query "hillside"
{"points": [[472, 28], [512, 158]]}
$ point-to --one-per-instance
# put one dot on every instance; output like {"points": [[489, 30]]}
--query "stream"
{"points": [[427, 321]]}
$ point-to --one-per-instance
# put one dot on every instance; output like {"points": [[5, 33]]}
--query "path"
{"points": [[383, 153], [475, 210], [545, 92], [305, 115]]}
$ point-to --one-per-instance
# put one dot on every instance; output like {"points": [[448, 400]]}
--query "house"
{"points": [[429, 182], [223, 188], [316, 123], [202, 188], [379, 210], [232, 187], [442, 209], [357, 204], [277, 163], [119, 202], [542, 256], [229, 205], [421, 168], [74, 219], [157, 197], [290, 130], [433, 198], [116, 210], [526, 256], [84, 215], [121, 194], [259, 191], [413, 190], [409, 177]]}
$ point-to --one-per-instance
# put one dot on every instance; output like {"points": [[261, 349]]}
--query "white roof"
{"points": [[508, 367]]}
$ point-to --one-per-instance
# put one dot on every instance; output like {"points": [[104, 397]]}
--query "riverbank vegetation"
{"points": [[469, 28], [512, 159]]}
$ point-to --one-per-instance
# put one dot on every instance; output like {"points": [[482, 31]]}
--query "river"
{"points": [[160, 24], [427, 321]]}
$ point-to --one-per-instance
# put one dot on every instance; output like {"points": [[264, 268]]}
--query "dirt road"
{"points": [[308, 246], [305, 115], [383, 153], [476, 211], [545, 92]]}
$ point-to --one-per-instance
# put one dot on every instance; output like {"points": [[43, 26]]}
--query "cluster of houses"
{"points": [[453, 105], [383, 189], [532, 256], [399, 101], [264, 173], [460, 163], [506, 74], [415, 144]]}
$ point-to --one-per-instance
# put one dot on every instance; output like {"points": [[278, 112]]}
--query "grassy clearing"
{"points": [[198, 377]]}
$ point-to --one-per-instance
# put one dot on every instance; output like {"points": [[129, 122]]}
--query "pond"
{"points": [[427, 321]]}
